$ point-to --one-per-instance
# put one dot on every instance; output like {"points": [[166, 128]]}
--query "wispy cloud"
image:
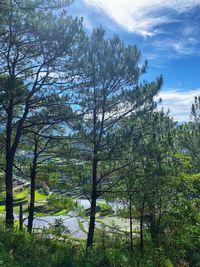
{"points": [[179, 46], [143, 17], [178, 102]]}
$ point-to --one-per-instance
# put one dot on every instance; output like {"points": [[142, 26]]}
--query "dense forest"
{"points": [[92, 171]]}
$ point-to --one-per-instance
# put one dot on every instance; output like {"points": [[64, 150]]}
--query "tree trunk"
{"points": [[154, 230], [131, 227], [93, 205], [9, 168], [141, 230], [20, 217], [32, 199], [10, 155], [9, 191]]}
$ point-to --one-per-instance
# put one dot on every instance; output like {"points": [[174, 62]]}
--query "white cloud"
{"points": [[141, 16], [179, 102], [188, 30], [182, 46]]}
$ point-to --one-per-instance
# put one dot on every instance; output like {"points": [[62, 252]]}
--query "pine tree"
{"points": [[34, 43], [110, 92]]}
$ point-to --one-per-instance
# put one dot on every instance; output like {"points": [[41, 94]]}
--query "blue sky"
{"points": [[167, 32]]}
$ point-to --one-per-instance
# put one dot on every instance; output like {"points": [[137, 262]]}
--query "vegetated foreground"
{"points": [[91, 172]]}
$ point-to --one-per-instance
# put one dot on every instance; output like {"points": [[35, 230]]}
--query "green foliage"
{"points": [[59, 202], [168, 263], [58, 228], [105, 209], [181, 225], [21, 250], [104, 206]]}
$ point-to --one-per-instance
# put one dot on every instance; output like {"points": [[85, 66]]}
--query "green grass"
{"points": [[2, 208], [40, 214], [62, 212], [39, 196], [26, 193], [21, 194], [23, 197]]}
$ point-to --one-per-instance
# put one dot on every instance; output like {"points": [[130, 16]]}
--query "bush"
{"points": [[22, 250]]}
